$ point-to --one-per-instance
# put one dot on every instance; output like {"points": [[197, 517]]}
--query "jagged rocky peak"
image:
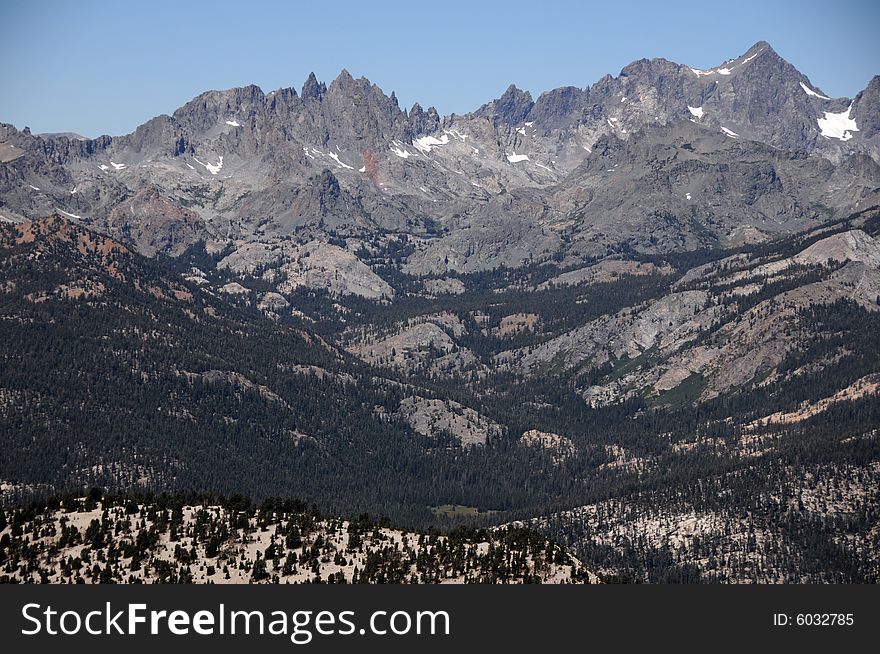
{"points": [[274, 143], [761, 50], [423, 122], [866, 109], [553, 109], [345, 79], [313, 89], [767, 74], [206, 109], [237, 97], [59, 149], [650, 67], [356, 116], [345, 84], [512, 107], [762, 60]]}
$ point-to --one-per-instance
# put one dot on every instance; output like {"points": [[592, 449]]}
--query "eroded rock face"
{"points": [[407, 347], [437, 418], [153, 223], [273, 302], [316, 264], [447, 285], [425, 344], [866, 109], [663, 324], [324, 266], [605, 271], [854, 245]]}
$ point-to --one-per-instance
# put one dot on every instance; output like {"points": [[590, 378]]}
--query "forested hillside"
{"points": [[430, 412]]}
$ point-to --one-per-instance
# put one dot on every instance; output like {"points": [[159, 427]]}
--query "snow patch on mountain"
{"points": [[427, 143], [211, 168], [748, 59], [729, 132], [726, 70], [514, 158], [696, 111], [810, 91], [335, 158], [234, 123], [838, 126], [214, 169]]}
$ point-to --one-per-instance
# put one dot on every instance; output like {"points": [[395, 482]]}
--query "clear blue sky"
{"points": [[95, 66]]}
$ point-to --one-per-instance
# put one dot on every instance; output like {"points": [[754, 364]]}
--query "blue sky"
{"points": [[95, 66]]}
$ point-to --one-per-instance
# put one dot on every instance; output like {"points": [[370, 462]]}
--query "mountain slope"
{"points": [[184, 539]]}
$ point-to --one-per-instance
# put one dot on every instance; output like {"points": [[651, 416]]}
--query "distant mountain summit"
{"points": [[757, 96]]}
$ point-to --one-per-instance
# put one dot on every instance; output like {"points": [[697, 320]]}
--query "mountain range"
{"points": [[740, 152], [640, 317]]}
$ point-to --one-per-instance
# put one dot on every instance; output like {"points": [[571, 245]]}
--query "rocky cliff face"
{"points": [[866, 110]]}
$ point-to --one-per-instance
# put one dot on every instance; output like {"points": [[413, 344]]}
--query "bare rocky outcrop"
{"points": [[662, 325], [437, 418], [561, 447]]}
